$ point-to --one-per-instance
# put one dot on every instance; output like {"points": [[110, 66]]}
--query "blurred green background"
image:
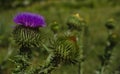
{"points": [[95, 12]]}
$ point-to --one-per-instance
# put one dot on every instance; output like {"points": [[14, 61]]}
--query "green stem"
{"points": [[102, 70], [81, 38], [80, 70], [105, 59], [21, 60]]}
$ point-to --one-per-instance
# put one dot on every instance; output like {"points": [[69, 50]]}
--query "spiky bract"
{"points": [[29, 37], [75, 22], [65, 50]]}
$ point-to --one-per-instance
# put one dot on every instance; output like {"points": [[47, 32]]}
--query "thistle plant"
{"points": [[112, 40], [26, 35], [64, 48], [63, 51], [77, 25]]}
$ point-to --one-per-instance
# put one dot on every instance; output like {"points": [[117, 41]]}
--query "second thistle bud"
{"points": [[110, 24], [75, 22]]}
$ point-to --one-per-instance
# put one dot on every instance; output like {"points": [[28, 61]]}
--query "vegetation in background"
{"points": [[95, 12]]}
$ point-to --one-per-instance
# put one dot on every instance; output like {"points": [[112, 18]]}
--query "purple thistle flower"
{"points": [[29, 20]]}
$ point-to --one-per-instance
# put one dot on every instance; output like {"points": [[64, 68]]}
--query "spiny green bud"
{"points": [[65, 49], [55, 27], [113, 39], [75, 22], [110, 24], [26, 36]]}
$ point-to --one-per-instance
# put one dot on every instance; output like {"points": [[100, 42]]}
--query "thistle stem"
{"points": [[80, 70], [81, 38], [111, 42], [21, 60], [102, 70]]}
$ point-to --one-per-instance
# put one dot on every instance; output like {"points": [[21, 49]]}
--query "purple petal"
{"points": [[29, 20]]}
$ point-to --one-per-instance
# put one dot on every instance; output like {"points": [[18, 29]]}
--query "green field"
{"points": [[95, 13]]}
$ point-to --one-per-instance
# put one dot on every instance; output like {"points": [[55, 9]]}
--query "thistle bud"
{"points": [[75, 22], [55, 27], [110, 24], [66, 50], [113, 39]]}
